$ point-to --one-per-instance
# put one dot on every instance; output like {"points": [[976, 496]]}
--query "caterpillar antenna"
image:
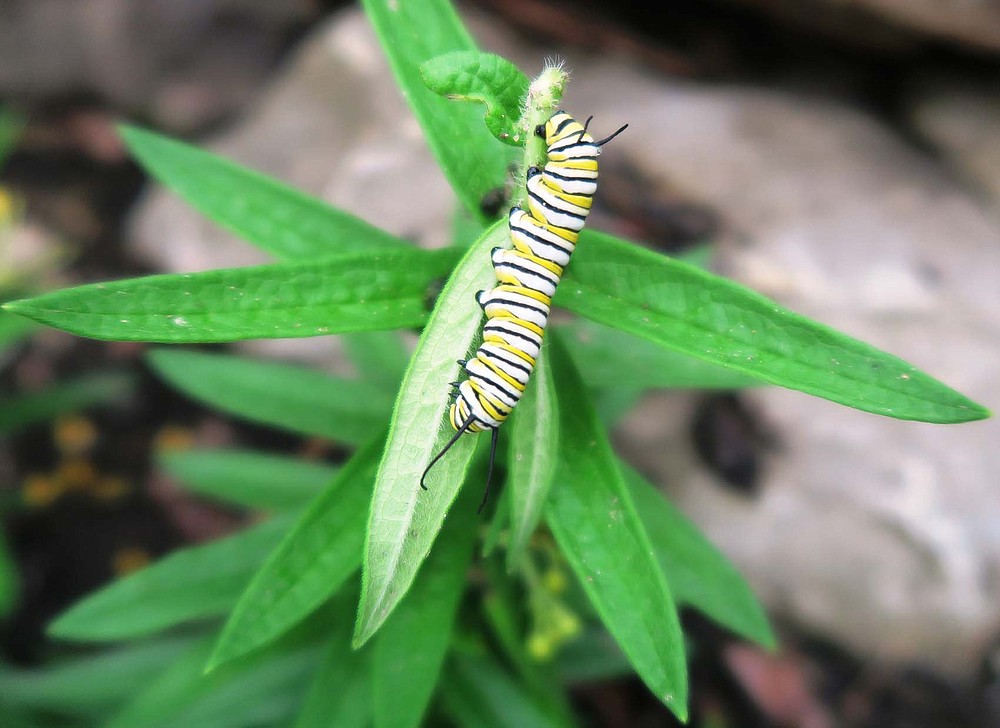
{"points": [[607, 139], [461, 430], [489, 473]]}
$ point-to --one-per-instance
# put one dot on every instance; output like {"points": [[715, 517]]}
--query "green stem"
{"points": [[542, 101]]}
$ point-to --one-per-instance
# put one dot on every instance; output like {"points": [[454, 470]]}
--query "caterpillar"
{"points": [[517, 309]]}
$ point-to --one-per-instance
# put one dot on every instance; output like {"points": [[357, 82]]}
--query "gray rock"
{"points": [[183, 63], [975, 23], [879, 534]]}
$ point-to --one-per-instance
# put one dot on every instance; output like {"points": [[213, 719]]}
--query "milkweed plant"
{"points": [[362, 599]]}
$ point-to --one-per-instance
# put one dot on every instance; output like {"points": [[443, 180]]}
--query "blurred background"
{"points": [[841, 158]]}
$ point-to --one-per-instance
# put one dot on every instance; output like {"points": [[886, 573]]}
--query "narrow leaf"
{"points": [[609, 357], [13, 329], [358, 292], [478, 693], [411, 646], [91, 685], [505, 610], [9, 579], [380, 356], [413, 32], [70, 396], [310, 564], [11, 125], [532, 458], [595, 523], [404, 519], [340, 694], [277, 218], [194, 583], [249, 478], [264, 689], [694, 312], [698, 574], [282, 395], [486, 78], [593, 655]]}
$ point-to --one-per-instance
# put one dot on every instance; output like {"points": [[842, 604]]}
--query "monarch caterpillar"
{"points": [[517, 309]]}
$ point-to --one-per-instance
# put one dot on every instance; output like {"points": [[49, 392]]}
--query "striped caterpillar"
{"points": [[517, 309]]}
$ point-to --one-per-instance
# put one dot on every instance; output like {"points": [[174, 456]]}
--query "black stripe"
{"points": [[563, 124], [501, 300], [558, 191], [498, 327], [563, 149], [545, 241], [501, 386], [522, 365], [537, 198], [567, 178], [554, 279]]}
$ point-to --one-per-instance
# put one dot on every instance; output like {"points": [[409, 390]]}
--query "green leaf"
{"points": [[592, 656], [413, 32], [478, 693], [486, 78], [505, 610], [698, 574], [532, 457], [265, 689], [277, 218], [404, 519], [310, 564], [412, 644], [281, 395], [595, 523], [683, 308], [9, 580], [90, 685], [194, 583], [11, 125], [340, 694], [248, 478], [609, 357], [358, 292], [13, 329], [380, 356], [77, 394]]}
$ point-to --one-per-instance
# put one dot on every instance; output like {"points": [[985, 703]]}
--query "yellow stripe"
{"points": [[503, 375], [563, 161], [494, 407], [547, 264], [523, 356], [498, 340], [507, 287], [507, 316], [582, 201]]}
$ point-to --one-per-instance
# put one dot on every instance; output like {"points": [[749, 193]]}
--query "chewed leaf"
{"points": [[486, 78], [412, 33]]}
